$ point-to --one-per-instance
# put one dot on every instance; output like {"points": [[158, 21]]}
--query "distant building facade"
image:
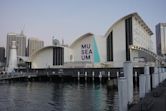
{"points": [[161, 38], [2, 56], [34, 44], [20, 44]]}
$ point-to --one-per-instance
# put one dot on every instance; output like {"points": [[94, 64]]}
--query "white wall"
{"points": [[101, 45], [134, 54], [119, 44], [77, 50], [140, 36], [43, 59], [67, 53]]}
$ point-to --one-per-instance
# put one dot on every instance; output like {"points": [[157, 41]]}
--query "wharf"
{"points": [[156, 98], [62, 72]]}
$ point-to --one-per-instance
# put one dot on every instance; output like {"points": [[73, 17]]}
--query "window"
{"points": [[129, 37], [58, 56], [110, 47]]}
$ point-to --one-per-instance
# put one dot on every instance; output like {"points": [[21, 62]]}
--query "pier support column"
{"points": [[157, 72], [86, 76], [147, 74], [164, 74], [128, 73], [93, 75], [78, 76], [142, 85], [117, 74], [122, 93], [108, 75], [160, 75], [100, 76], [155, 78], [135, 79]]}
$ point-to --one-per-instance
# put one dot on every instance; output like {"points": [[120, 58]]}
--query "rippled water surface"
{"points": [[49, 96]]}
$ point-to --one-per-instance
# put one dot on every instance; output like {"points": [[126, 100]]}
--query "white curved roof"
{"points": [[47, 47], [127, 16], [80, 38]]}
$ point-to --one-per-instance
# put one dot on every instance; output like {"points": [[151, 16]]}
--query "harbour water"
{"points": [[50, 96]]}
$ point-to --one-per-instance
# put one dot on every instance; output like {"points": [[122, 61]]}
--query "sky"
{"points": [[69, 19]]}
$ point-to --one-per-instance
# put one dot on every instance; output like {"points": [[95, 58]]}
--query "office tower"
{"points": [[34, 44], [2, 56], [20, 44], [161, 38]]}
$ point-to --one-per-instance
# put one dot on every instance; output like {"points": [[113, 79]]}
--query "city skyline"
{"points": [[34, 44], [69, 20], [20, 40]]}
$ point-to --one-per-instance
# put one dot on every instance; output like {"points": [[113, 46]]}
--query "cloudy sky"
{"points": [[69, 19]]}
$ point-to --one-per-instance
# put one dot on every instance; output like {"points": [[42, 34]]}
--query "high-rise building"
{"points": [[34, 44], [2, 56], [161, 38], [20, 44]]}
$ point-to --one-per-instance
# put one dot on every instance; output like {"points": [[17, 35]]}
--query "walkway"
{"points": [[157, 97]]}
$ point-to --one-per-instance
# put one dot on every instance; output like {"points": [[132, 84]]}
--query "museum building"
{"points": [[128, 39]]}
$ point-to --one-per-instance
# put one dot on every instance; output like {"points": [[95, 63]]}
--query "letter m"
{"points": [[83, 46]]}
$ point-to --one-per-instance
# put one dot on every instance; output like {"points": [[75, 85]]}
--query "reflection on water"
{"points": [[49, 96]]}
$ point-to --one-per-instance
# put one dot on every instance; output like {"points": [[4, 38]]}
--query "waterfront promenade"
{"points": [[155, 100]]}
